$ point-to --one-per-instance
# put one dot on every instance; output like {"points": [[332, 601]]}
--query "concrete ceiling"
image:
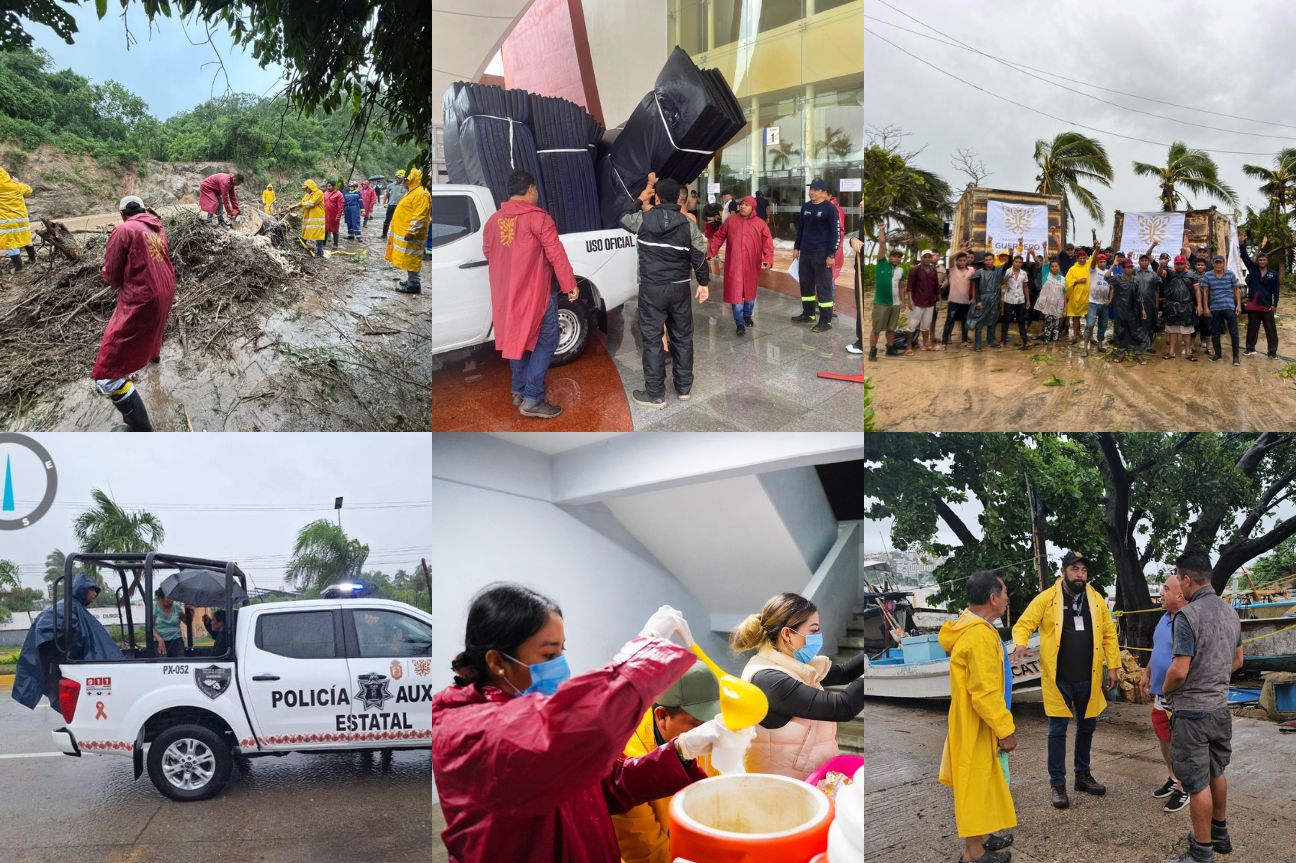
{"points": [[466, 34], [552, 443]]}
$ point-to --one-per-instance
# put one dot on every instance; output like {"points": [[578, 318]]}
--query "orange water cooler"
{"points": [[749, 818]]}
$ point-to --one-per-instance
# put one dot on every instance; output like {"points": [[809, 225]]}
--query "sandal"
{"points": [[1167, 356], [908, 352], [1140, 360], [1192, 358], [998, 841]]}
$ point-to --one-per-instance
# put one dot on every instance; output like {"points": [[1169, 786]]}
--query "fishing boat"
{"points": [[882, 607], [919, 668], [1268, 643], [1271, 608]]}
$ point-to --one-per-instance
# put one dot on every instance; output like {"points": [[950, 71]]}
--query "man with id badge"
{"points": [[1077, 636]]}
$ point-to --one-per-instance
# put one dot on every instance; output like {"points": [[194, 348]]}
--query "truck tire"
{"points": [[575, 325], [189, 762]]}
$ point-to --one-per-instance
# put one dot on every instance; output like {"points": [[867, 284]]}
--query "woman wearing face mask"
{"points": [[528, 760], [800, 731]]}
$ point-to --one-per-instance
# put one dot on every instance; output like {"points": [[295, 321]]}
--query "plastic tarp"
{"points": [[450, 133], [90, 641], [675, 131], [566, 136], [493, 139]]}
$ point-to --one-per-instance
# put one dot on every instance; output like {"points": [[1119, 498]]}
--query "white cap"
{"points": [[128, 200], [927, 252]]}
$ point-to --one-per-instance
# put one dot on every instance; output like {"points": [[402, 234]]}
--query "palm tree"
{"points": [[107, 528], [1193, 170], [783, 154], [324, 554], [835, 141], [1065, 162], [1279, 186], [897, 192], [9, 576]]}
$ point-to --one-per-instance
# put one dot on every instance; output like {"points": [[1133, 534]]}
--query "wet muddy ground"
{"points": [[1011, 390], [349, 355], [335, 807], [911, 815]]}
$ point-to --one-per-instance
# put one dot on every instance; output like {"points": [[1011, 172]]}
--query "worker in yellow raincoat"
{"points": [[409, 231], [312, 207], [268, 199], [980, 722], [1077, 291], [15, 227], [1077, 635], [643, 831]]}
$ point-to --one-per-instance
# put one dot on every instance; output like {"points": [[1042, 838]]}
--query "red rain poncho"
{"points": [[368, 196], [535, 779], [521, 244], [137, 262], [216, 190], [839, 260], [332, 211], [750, 244]]}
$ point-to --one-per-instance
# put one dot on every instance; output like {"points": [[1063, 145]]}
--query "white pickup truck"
{"points": [[307, 675], [605, 263]]}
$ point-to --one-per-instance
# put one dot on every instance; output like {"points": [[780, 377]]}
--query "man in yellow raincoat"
{"points": [[1077, 635], [268, 199], [409, 231], [1077, 291], [15, 228], [643, 832], [980, 722], [312, 206]]}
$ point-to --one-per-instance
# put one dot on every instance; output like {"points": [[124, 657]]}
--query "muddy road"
{"points": [[340, 350], [1012, 390]]}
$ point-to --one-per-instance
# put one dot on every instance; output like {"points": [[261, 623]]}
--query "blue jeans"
{"points": [[529, 372], [743, 310], [1076, 696], [1097, 315]]}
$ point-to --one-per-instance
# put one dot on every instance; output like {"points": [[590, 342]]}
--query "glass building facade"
{"points": [[797, 68]]}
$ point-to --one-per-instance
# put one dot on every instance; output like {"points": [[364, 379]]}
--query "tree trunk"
{"points": [[1132, 592], [58, 236]]}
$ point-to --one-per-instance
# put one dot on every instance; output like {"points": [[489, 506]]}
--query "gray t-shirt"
{"points": [[1185, 642]]}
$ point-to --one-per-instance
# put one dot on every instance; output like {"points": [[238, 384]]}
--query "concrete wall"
{"points": [[838, 584], [799, 497]]}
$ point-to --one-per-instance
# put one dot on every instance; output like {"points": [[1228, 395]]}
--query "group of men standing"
{"points": [[1078, 292], [1197, 647], [529, 268]]}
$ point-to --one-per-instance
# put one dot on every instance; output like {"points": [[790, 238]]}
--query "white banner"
{"points": [[1141, 230], [1006, 223], [1235, 254]]}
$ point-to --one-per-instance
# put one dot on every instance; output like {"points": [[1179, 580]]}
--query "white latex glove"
{"points": [[713, 735], [665, 622]]}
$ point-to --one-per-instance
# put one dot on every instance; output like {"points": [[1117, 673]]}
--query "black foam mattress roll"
{"points": [[566, 135], [494, 148], [450, 138]]}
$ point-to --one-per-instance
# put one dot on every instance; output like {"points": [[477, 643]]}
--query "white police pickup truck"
{"points": [[605, 263], [297, 676]]}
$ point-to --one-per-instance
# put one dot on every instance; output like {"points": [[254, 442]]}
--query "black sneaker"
{"points": [[747, 321], [821, 327], [1249, 352], [1220, 839], [649, 401], [1164, 790], [741, 330], [1178, 800], [1214, 357], [872, 355], [540, 410], [803, 318]]}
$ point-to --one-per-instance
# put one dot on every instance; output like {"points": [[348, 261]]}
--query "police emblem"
{"points": [[212, 680], [396, 670], [374, 691]]}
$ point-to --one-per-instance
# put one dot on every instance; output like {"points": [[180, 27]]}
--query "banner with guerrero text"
{"points": [[1142, 230], [1007, 223]]}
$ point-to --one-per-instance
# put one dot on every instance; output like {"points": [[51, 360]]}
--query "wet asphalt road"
{"points": [[336, 807]]}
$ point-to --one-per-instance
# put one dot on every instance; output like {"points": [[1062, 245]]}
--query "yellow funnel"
{"points": [[742, 704]]}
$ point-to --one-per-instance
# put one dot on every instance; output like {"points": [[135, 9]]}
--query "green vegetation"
{"points": [[1067, 161], [365, 57], [1186, 168], [114, 126]]}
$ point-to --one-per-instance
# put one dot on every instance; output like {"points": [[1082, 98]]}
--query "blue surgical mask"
{"points": [[814, 643], [546, 677]]}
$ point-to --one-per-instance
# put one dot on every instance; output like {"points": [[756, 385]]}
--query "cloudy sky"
{"points": [[162, 67], [232, 496], [1133, 48]]}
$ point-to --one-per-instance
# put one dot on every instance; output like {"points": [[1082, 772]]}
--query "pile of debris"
{"points": [[53, 317]]}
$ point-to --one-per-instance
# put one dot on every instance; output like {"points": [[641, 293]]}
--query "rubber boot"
{"points": [[132, 409], [31, 254], [1215, 355], [17, 263], [1236, 361]]}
